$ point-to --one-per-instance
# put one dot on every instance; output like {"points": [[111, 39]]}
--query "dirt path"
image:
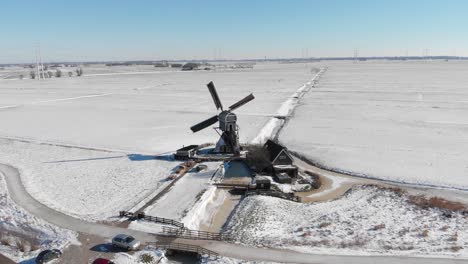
{"points": [[219, 218], [5, 260], [335, 184]]}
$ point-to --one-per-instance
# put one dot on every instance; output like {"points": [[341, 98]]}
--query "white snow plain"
{"points": [[399, 121], [87, 184], [149, 111], [140, 111], [367, 220]]}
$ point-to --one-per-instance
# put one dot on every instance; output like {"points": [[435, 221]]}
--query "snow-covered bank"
{"points": [[367, 220], [146, 256], [401, 121], [23, 235], [273, 126]]}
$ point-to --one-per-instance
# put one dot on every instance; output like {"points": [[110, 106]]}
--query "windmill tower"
{"points": [[229, 130]]}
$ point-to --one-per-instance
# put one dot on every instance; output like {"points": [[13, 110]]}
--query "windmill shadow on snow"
{"points": [[88, 159], [142, 157], [132, 157]]}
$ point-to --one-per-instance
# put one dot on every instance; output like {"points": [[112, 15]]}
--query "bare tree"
{"points": [[79, 71], [70, 74], [58, 73], [50, 74], [32, 74]]}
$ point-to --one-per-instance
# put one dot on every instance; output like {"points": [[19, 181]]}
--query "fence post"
{"points": [[141, 215]]}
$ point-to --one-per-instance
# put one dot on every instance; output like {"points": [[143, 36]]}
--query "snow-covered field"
{"points": [[87, 184], [367, 220], [403, 121], [180, 200], [148, 111], [20, 229], [126, 110]]}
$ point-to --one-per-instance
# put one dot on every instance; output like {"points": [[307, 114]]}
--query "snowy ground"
{"points": [[146, 256], [126, 110], [403, 121], [367, 220], [19, 229], [87, 184], [143, 111], [180, 200]]}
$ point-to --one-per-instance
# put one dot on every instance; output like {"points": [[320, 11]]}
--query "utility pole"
{"points": [[40, 63], [37, 62]]}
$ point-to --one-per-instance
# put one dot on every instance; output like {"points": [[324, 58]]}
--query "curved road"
{"points": [[21, 197]]}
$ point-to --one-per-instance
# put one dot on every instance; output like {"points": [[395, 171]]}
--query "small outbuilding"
{"points": [[262, 183], [186, 153], [282, 178]]}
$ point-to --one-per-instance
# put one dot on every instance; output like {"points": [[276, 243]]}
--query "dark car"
{"points": [[48, 255], [102, 261]]}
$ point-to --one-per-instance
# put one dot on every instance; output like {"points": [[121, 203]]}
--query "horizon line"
{"points": [[436, 57]]}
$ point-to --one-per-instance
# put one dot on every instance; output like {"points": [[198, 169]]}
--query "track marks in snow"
{"points": [[56, 100]]}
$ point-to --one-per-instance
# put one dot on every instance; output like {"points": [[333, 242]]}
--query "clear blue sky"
{"points": [[121, 30]]}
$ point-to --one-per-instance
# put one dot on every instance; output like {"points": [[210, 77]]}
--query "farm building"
{"points": [[190, 66], [280, 159]]}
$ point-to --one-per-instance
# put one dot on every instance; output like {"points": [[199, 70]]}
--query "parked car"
{"points": [[125, 241], [102, 261], [48, 255]]}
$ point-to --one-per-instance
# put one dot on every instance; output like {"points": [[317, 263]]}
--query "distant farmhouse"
{"points": [[190, 66], [161, 64]]}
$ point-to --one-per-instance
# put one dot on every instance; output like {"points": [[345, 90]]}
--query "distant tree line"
{"points": [[56, 74]]}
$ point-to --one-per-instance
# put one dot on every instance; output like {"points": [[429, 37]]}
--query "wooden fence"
{"points": [[194, 234], [184, 247], [155, 219]]}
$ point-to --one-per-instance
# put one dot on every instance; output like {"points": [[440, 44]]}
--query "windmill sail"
{"points": [[242, 102], [210, 121], [215, 96]]}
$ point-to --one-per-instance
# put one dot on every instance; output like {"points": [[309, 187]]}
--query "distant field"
{"points": [[403, 121], [141, 108]]}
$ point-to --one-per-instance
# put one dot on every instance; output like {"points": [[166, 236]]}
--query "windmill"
{"points": [[229, 141]]}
